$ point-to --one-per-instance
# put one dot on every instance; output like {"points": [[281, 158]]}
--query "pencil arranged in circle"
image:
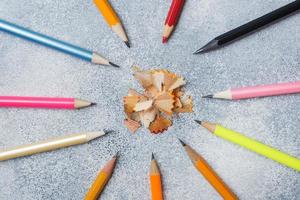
{"points": [[252, 145], [101, 180], [49, 145], [112, 19], [155, 180], [257, 91], [249, 27], [209, 174], [43, 102], [172, 18], [53, 43]]}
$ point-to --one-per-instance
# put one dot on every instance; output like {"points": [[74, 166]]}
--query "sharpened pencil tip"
{"points": [[198, 51], [127, 44], [116, 155], [93, 104], [213, 44], [152, 156], [208, 96], [164, 40], [114, 65], [198, 121], [108, 131], [183, 144]]}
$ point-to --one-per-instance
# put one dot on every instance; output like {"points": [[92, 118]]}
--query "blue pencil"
{"points": [[62, 46]]}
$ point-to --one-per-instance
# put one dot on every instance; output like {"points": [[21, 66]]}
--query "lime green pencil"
{"points": [[252, 145]]}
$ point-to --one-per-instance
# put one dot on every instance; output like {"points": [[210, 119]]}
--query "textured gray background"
{"points": [[271, 55]]}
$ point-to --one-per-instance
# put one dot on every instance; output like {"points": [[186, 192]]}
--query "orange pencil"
{"points": [[112, 19], [208, 173], [101, 180], [155, 180]]}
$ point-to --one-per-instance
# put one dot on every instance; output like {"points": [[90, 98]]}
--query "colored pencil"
{"points": [[172, 18], [49, 145], [249, 27], [43, 102], [209, 174], [257, 91], [155, 180], [252, 145], [112, 19], [54, 43], [101, 180]]}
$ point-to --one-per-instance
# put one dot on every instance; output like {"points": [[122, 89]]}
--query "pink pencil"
{"points": [[258, 91], [43, 102]]}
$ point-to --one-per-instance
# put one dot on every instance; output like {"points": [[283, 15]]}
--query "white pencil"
{"points": [[48, 145]]}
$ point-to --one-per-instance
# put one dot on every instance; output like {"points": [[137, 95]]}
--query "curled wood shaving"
{"points": [[159, 125], [187, 105], [163, 96], [165, 103], [132, 125], [148, 116], [144, 105]]}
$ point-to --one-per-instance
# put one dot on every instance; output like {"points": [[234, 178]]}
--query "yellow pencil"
{"points": [[101, 180], [112, 19], [252, 145], [155, 180], [209, 174]]}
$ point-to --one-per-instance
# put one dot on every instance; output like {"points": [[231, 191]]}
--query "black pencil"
{"points": [[250, 26]]}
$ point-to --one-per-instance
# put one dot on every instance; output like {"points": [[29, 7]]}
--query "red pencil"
{"points": [[172, 18]]}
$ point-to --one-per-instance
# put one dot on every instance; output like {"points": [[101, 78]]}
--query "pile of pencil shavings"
{"points": [[162, 98]]}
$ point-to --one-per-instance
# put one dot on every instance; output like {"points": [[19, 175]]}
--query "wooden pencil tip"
{"points": [[183, 144], [93, 104], [127, 44], [114, 65], [198, 121], [208, 96], [152, 156], [164, 40]]}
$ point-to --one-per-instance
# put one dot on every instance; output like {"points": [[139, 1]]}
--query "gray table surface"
{"points": [[268, 56]]}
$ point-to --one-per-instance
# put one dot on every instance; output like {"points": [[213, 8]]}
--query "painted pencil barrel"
{"points": [[174, 12], [258, 147], [45, 40], [37, 102], [97, 187], [156, 187], [211, 176], [266, 90], [43, 146], [107, 12]]}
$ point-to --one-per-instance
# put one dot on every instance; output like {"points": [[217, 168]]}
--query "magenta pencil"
{"points": [[43, 102], [258, 91]]}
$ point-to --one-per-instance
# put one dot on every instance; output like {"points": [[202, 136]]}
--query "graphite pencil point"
{"points": [[213, 44], [116, 155], [183, 144], [208, 96], [114, 65], [198, 121], [93, 104], [127, 44]]}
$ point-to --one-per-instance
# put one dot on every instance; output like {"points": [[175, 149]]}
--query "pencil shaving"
{"points": [[132, 125], [159, 125], [162, 98]]}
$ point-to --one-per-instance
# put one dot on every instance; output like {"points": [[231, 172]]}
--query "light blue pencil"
{"points": [[54, 43]]}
